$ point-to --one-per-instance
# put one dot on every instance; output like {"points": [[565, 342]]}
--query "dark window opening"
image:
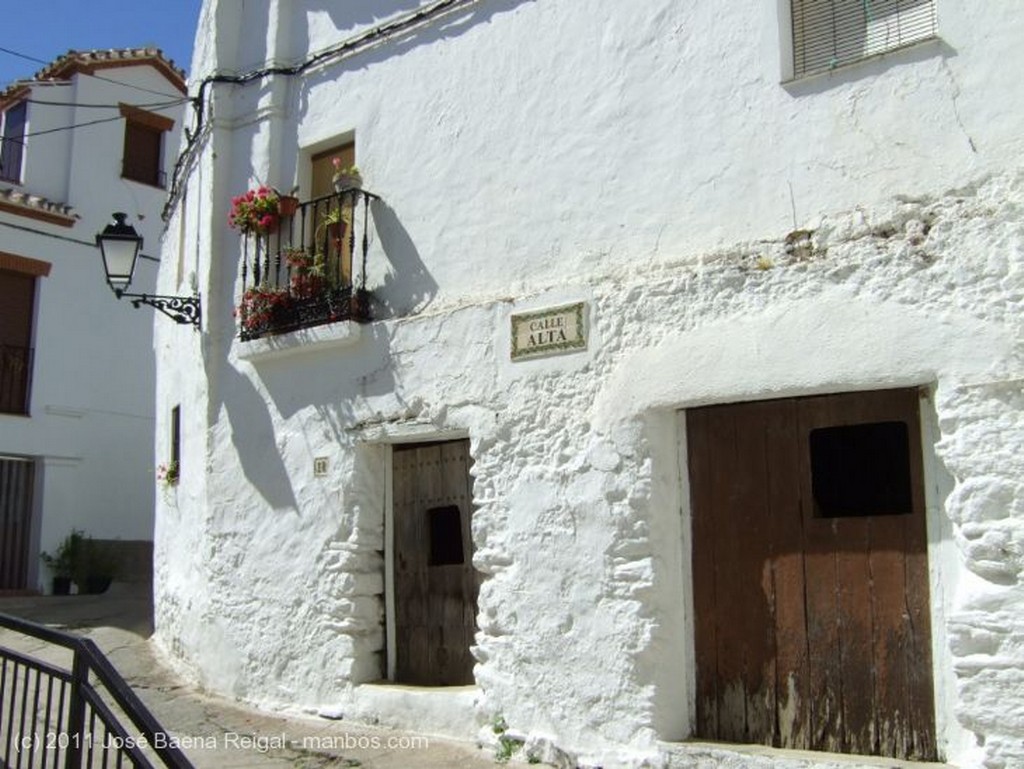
{"points": [[17, 300], [176, 440], [859, 470], [445, 536], [12, 149], [143, 150]]}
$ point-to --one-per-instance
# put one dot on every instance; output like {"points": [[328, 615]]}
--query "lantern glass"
{"points": [[120, 245]]}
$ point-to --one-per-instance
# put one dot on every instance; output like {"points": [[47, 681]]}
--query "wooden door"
{"points": [[337, 249], [16, 481], [435, 584], [810, 574]]}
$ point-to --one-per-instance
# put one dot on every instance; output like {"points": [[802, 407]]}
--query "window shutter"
{"points": [[17, 297], [830, 33], [142, 146]]}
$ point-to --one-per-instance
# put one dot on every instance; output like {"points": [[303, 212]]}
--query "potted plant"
{"points": [[259, 305], [64, 561], [255, 211], [334, 223], [306, 272], [346, 177], [288, 204]]}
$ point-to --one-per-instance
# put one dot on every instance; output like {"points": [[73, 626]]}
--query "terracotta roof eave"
{"points": [[37, 207], [72, 62]]}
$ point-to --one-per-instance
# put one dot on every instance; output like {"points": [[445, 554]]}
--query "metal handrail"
{"points": [[278, 296], [79, 699]]}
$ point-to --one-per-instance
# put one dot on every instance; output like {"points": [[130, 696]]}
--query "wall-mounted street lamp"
{"points": [[120, 244]]}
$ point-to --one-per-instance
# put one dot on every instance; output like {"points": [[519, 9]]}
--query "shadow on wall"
{"points": [[448, 26], [407, 286], [339, 384], [255, 440], [337, 387], [358, 13]]}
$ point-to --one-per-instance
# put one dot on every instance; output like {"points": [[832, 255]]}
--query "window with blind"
{"points": [[12, 145], [144, 145], [831, 33], [17, 301]]}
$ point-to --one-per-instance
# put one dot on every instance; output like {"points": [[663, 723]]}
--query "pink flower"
{"points": [[336, 162]]}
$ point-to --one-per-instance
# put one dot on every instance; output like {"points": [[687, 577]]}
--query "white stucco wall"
{"points": [[640, 159], [90, 426]]}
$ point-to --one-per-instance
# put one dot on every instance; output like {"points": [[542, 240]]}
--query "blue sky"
{"points": [[45, 29]]}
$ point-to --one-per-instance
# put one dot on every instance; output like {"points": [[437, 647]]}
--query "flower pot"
{"points": [[287, 205], [344, 182], [336, 232], [62, 585]]}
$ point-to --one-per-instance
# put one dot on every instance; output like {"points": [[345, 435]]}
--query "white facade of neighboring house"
{"points": [[77, 385], [767, 487]]}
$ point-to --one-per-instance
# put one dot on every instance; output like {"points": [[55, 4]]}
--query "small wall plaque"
{"points": [[545, 332], [320, 466]]}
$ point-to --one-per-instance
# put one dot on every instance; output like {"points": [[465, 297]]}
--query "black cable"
{"points": [[91, 244], [150, 105], [89, 74], [362, 41]]}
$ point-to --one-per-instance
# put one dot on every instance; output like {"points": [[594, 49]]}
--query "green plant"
{"points": [[168, 474], [306, 272], [507, 745], [258, 304], [340, 170], [338, 215], [254, 211], [65, 560]]}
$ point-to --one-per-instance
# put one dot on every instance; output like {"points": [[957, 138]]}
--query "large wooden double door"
{"points": [[810, 574]]}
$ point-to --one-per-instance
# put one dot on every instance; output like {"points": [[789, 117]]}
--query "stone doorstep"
{"points": [[701, 755], [449, 710]]}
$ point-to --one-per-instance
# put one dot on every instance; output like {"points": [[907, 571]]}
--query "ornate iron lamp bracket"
{"points": [[185, 310]]}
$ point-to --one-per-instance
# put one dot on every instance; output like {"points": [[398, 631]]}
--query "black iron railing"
{"points": [[311, 270], [82, 715], [15, 378]]}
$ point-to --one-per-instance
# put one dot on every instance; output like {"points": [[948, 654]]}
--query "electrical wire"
{"points": [[150, 105], [363, 41], [91, 244], [87, 74]]}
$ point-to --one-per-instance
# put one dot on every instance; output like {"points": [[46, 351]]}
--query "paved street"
{"points": [[216, 732]]}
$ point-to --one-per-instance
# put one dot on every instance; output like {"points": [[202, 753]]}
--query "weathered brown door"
{"points": [[16, 481], [337, 252], [435, 584], [810, 574]]}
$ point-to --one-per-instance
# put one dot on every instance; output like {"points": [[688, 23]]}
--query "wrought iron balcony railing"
{"points": [[15, 379], [310, 270]]}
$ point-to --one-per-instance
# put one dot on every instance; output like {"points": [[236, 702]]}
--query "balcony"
{"points": [[310, 270], [15, 379]]}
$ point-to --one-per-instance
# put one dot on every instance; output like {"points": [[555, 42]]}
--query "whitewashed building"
{"points": [[662, 396], [91, 133]]}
